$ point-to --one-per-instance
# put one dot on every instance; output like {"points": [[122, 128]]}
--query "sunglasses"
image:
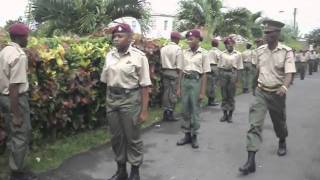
{"points": [[269, 32]]}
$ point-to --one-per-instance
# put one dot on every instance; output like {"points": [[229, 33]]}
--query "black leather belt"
{"points": [[121, 91]]}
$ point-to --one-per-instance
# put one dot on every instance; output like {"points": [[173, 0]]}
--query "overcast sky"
{"points": [[308, 16]]}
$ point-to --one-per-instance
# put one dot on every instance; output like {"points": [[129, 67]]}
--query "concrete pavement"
{"points": [[222, 146]]}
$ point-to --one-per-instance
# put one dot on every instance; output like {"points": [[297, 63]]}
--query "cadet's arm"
{"points": [[145, 99], [288, 79], [203, 85], [180, 74], [14, 98]]}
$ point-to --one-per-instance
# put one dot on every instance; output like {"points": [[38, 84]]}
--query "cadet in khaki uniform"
{"points": [[247, 57], [193, 87], [212, 76], [316, 64], [275, 64], [301, 63], [14, 104], [171, 61], [312, 60], [230, 63], [126, 73]]}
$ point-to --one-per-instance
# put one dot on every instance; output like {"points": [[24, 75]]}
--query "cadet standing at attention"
{"points": [[275, 66], [246, 75], [193, 87], [126, 73], [14, 101], [171, 61], [213, 56], [301, 63], [230, 63]]}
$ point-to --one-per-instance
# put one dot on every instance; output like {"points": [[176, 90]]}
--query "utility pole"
{"points": [[294, 18]]}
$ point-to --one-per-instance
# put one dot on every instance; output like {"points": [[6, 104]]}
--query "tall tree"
{"points": [[314, 37], [240, 21], [199, 13], [83, 16]]}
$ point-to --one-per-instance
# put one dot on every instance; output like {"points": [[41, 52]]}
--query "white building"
{"points": [[161, 26]]}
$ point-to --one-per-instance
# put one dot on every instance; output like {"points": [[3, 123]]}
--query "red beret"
{"points": [[229, 40], [194, 33], [215, 42], [19, 29], [175, 35], [122, 28]]}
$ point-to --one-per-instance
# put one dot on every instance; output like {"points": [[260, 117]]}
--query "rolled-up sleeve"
{"points": [[144, 74], [18, 70]]}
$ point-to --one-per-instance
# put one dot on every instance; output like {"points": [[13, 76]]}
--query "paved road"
{"points": [[222, 146]]}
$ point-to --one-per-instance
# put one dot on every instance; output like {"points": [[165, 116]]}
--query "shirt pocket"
{"points": [[279, 60]]}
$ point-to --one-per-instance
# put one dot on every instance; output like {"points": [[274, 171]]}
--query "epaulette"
{"points": [[282, 46], [137, 51]]}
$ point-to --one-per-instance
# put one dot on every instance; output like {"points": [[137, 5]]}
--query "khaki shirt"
{"points": [[128, 71], [231, 60], [171, 56], [213, 55], [273, 65], [196, 61], [14, 68], [304, 57], [247, 56], [313, 56]]}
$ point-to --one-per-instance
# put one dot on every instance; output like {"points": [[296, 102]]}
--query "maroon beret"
{"points": [[194, 33], [122, 28], [19, 29], [175, 35], [229, 40], [215, 42]]}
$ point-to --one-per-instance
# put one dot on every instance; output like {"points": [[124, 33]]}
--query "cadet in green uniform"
{"points": [[275, 65], [193, 87], [230, 63], [126, 73], [212, 76], [171, 62], [247, 57], [14, 103]]}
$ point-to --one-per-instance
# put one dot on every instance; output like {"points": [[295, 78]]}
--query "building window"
{"points": [[165, 25], [153, 24]]}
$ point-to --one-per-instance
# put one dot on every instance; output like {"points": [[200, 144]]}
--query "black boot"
{"points": [[282, 147], [229, 120], [165, 115], [121, 173], [185, 140], [194, 142], [224, 117], [213, 103], [209, 101], [250, 165], [170, 116], [134, 174]]}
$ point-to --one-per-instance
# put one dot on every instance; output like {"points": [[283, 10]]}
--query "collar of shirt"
{"points": [[14, 45], [199, 50], [172, 43], [117, 55], [227, 52]]}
